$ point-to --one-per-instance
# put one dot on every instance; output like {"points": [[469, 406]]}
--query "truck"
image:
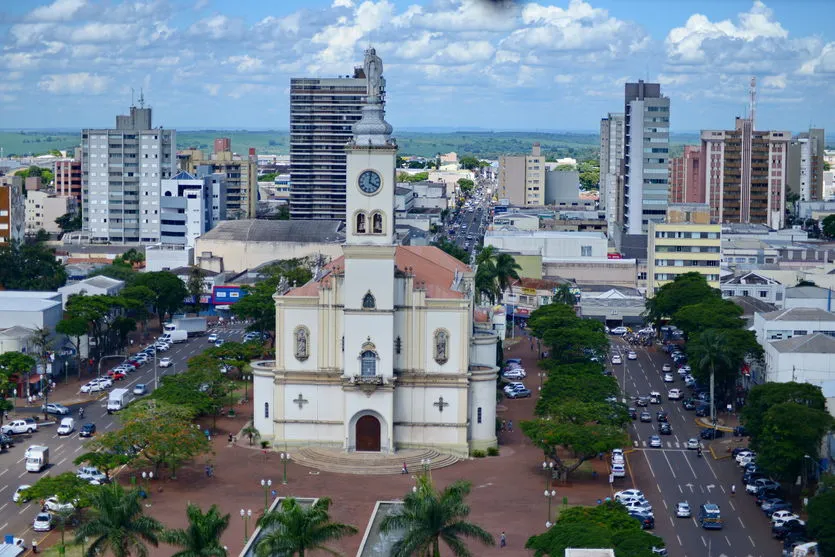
{"points": [[117, 400], [806, 550], [12, 546], [37, 458], [193, 326]]}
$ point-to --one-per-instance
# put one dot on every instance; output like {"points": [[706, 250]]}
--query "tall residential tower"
{"points": [[611, 157]]}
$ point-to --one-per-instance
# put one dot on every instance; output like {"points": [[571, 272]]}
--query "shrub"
{"points": [[265, 444], [478, 453], [492, 451]]}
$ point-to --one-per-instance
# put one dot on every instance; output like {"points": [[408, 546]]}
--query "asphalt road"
{"points": [[673, 473], [17, 519], [474, 222]]}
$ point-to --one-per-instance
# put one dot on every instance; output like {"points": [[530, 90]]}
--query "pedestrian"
{"points": [[503, 540], [733, 490], [405, 469], [208, 472], [230, 437], [510, 426], [211, 470]]}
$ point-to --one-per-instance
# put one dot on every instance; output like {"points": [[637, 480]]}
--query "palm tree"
{"points": [[429, 516], [506, 269], [295, 530], [485, 281], [202, 536], [711, 350], [117, 524], [487, 253], [564, 295], [252, 432]]}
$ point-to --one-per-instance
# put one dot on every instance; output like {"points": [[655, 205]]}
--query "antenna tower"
{"points": [[141, 99], [753, 108]]}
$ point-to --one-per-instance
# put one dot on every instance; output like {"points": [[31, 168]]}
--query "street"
{"points": [[673, 473], [17, 519]]}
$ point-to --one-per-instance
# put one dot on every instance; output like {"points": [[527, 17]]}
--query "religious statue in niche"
{"points": [[361, 223], [377, 223], [302, 343], [441, 346]]}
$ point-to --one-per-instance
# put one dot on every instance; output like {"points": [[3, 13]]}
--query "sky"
{"points": [[547, 65]]}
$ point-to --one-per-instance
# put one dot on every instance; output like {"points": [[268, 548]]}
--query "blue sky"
{"points": [[545, 65]]}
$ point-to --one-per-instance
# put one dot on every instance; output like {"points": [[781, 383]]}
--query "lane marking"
{"points": [[731, 503], [729, 541], [62, 461], [703, 540], [24, 509], [23, 474], [740, 521], [3, 528], [752, 541], [4, 471], [3, 488], [673, 472], [679, 540]]}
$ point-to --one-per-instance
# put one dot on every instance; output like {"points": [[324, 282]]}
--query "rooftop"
{"points": [[256, 230], [748, 278], [98, 281], [799, 314], [27, 304], [548, 234], [816, 343], [180, 271], [751, 305], [538, 284], [808, 292], [29, 294]]}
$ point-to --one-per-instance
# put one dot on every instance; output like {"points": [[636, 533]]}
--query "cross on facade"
{"points": [[301, 401], [440, 404]]}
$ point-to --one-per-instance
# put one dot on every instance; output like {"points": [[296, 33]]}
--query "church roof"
{"points": [[258, 230], [433, 269]]}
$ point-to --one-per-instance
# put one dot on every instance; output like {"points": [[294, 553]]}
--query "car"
{"points": [[773, 507], [741, 454], [617, 455], [783, 516], [747, 460], [693, 443], [674, 394], [619, 330], [42, 523], [212, 337], [668, 378], [642, 401], [17, 427], [655, 441], [116, 375], [703, 410], [632, 355], [647, 520], [53, 505], [654, 397], [91, 474], [18, 496], [761, 483], [6, 441], [166, 362], [738, 450], [616, 359], [689, 404], [749, 477], [633, 413], [689, 381], [629, 493], [638, 506], [162, 346], [662, 416], [140, 389], [519, 393], [683, 509], [766, 495], [514, 374], [681, 372], [66, 427], [665, 429], [785, 529], [105, 382], [513, 385], [55, 408], [87, 430], [219, 342], [666, 367], [711, 433], [91, 387], [646, 417]]}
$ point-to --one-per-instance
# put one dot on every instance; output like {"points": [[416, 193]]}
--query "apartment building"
{"points": [[745, 173], [611, 157], [240, 173], [645, 156], [67, 176], [186, 209], [121, 171], [522, 178], [322, 115], [43, 208], [686, 185], [686, 242], [12, 210], [805, 168]]}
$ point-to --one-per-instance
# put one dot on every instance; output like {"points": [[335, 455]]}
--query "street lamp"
{"points": [[285, 457], [817, 465], [425, 462], [145, 482], [542, 376], [246, 515], [548, 468], [266, 484], [550, 494]]}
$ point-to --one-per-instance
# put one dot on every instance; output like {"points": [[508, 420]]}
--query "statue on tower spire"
{"points": [[373, 67]]}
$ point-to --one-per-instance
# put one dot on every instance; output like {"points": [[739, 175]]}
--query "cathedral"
{"points": [[379, 351]]}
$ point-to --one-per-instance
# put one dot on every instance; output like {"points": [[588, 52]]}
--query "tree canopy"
{"points": [[453, 249], [687, 289], [827, 226], [30, 267], [821, 521]]}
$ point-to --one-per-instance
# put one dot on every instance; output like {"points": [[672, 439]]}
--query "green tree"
{"points": [[762, 397], [295, 530], [106, 462], [194, 286], [453, 249], [429, 516], [117, 524], [69, 222], [283, 213], [169, 291], [710, 351], [201, 538], [116, 270], [139, 299], [564, 295], [821, 521], [469, 162], [73, 328], [566, 167], [68, 489], [827, 226], [714, 313], [15, 364], [567, 336], [30, 267], [466, 185], [687, 289]]}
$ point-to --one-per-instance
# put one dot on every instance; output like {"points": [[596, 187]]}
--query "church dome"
{"points": [[372, 128]]}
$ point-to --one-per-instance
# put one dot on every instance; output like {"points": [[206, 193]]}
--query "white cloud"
{"points": [[251, 88], [212, 89], [103, 33], [60, 10], [342, 4], [245, 64], [74, 83], [774, 81], [822, 63], [217, 27]]}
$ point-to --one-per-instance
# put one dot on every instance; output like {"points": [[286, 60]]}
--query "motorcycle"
{"points": [[699, 453], [81, 413]]}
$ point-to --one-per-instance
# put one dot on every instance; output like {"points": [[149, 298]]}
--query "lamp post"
{"points": [[550, 494], [817, 464], [145, 482], [246, 515], [425, 462], [285, 457], [542, 376], [266, 484], [548, 468]]}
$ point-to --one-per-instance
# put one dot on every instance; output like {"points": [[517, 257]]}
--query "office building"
{"points": [[611, 158], [686, 185], [744, 172], [222, 144], [522, 178], [645, 156], [240, 172], [67, 175], [185, 209], [12, 210], [685, 242], [121, 171], [43, 208], [805, 168], [322, 114]]}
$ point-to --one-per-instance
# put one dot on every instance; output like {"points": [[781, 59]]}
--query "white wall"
{"points": [[553, 245], [778, 330], [800, 367]]}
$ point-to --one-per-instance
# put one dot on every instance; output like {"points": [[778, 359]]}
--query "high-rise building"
{"points": [[241, 178], [186, 209], [43, 208], [645, 153], [522, 178], [322, 113], [805, 171], [744, 172], [121, 172], [68, 179], [686, 185], [222, 144], [12, 210], [611, 158]]}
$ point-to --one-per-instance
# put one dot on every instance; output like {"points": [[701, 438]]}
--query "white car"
{"points": [[674, 394], [162, 346], [666, 367], [92, 387], [783, 516], [166, 362], [746, 461], [517, 373], [639, 506], [629, 493], [42, 523], [17, 497], [632, 355], [683, 509], [53, 505], [668, 378], [619, 331], [655, 441], [693, 443], [686, 368], [212, 338], [91, 474], [514, 386], [616, 359], [744, 454]]}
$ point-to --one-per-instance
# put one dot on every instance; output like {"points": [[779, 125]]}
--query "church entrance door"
{"points": [[368, 434]]}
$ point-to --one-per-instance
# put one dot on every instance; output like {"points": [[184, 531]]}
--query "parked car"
{"points": [[711, 433], [647, 520], [116, 374], [6, 441], [16, 427], [513, 385], [519, 393], [783, 516], [42, 523], [18, 496], [761, 483], [773, 507], [517, 373], [788, 527], [55, 408], [628, 493], [53, 505], [91, 474]]}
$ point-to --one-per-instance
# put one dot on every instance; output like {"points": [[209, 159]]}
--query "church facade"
{"points": [[379, 351]]}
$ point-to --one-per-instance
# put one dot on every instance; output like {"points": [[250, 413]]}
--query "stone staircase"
{"points": [[370, 464]]}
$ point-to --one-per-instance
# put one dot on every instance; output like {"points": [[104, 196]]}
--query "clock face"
{"points": [[370, 181]]}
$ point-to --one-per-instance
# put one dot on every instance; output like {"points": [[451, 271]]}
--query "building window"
{"points": [[398, 345], [361, 224], [266, 409], [478, 412], [763, 293], [368, 301], [585, 251], [368, 363]]}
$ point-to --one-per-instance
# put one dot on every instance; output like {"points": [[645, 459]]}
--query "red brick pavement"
{"points": [[507, 490]]}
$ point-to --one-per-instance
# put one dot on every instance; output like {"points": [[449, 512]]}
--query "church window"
{"points": [[377, 223], [368, 301], [479, 414], [398, 345], [368, 360], [441, 346], [361, 224], [266, 409], [343, 343], [301, 337]]}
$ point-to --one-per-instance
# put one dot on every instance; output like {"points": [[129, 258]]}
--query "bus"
{"points": [[709, 517]]}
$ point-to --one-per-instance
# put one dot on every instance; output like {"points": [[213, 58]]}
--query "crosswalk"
{"points": [[670, 445]]}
